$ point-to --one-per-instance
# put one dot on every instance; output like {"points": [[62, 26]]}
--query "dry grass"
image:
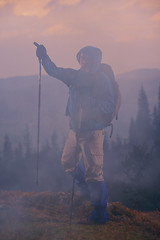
{"points": [[45, 216]]}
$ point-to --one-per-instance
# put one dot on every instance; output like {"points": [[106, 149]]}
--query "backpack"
{"points": [[106, 69]]}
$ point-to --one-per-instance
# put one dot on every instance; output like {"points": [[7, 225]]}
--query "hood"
{"points": [[95, 53]]}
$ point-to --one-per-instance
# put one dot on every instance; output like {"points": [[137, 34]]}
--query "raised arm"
{"points": [[66, 75]]}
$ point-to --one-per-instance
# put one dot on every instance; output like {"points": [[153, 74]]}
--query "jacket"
{"points": [[90, 93]]}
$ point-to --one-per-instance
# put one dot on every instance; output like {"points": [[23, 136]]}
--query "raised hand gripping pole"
{"points": [[39, 108]]}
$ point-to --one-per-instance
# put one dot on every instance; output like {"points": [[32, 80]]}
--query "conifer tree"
{"points": [[7, 148], [27, 142], [143, 121], [132, 130], [18, 153], [54, 144], [156, 126]]}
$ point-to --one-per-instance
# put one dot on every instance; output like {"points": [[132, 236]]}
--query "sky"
{"points": [[127, 32]]}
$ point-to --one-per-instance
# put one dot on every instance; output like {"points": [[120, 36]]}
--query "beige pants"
{"points": [[90, 145]]}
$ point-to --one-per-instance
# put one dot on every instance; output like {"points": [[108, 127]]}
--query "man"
{"points": [[91, 99]]}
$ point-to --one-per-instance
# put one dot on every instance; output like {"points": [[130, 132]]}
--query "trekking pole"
{"points": [[39, 108], [74, 176], [72, 198]]}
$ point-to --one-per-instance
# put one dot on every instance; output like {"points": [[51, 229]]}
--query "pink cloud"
{"points": [[69, 2], [27, 8], [31, 8], [122, 29], [156, 17]]}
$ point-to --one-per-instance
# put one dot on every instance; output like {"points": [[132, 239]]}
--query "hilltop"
{"points": [[45, 216]]}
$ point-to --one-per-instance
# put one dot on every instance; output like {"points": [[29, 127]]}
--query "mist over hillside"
{"points": [[130, 84], [19, 103]]}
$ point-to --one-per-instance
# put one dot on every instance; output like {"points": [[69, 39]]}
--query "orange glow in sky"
{"points": [[127, 31]]}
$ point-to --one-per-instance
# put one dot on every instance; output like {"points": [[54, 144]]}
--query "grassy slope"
{"points": [[45, 216]]}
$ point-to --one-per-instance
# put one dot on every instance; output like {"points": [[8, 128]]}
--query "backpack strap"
{"points": [[110, 125]]}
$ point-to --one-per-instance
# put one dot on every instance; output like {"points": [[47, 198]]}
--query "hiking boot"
{"points": [[96, 221], [98, 216]]}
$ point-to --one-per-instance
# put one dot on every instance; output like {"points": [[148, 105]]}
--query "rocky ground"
{"points": [[45, 216]]}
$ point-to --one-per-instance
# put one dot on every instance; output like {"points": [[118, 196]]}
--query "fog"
{"points": [[19, 104], [130, 155], [127, 32]]}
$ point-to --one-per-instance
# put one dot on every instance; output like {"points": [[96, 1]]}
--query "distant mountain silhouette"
{"points": [[19, 106], [19, 103]]}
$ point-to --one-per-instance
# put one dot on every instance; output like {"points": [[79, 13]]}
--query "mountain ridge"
{"points": [[19, 99], [137, 70]]}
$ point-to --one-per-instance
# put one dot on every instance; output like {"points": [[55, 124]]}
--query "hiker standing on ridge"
{"points": [[91, 98]]}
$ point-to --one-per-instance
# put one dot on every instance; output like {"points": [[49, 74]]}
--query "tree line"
{"points": [[135, 161], [131, 166]]}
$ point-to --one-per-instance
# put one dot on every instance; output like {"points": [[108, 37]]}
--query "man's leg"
{"points": [[71, 163], [98, 195], [92, 150], [71, 153], [81, 181]]}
